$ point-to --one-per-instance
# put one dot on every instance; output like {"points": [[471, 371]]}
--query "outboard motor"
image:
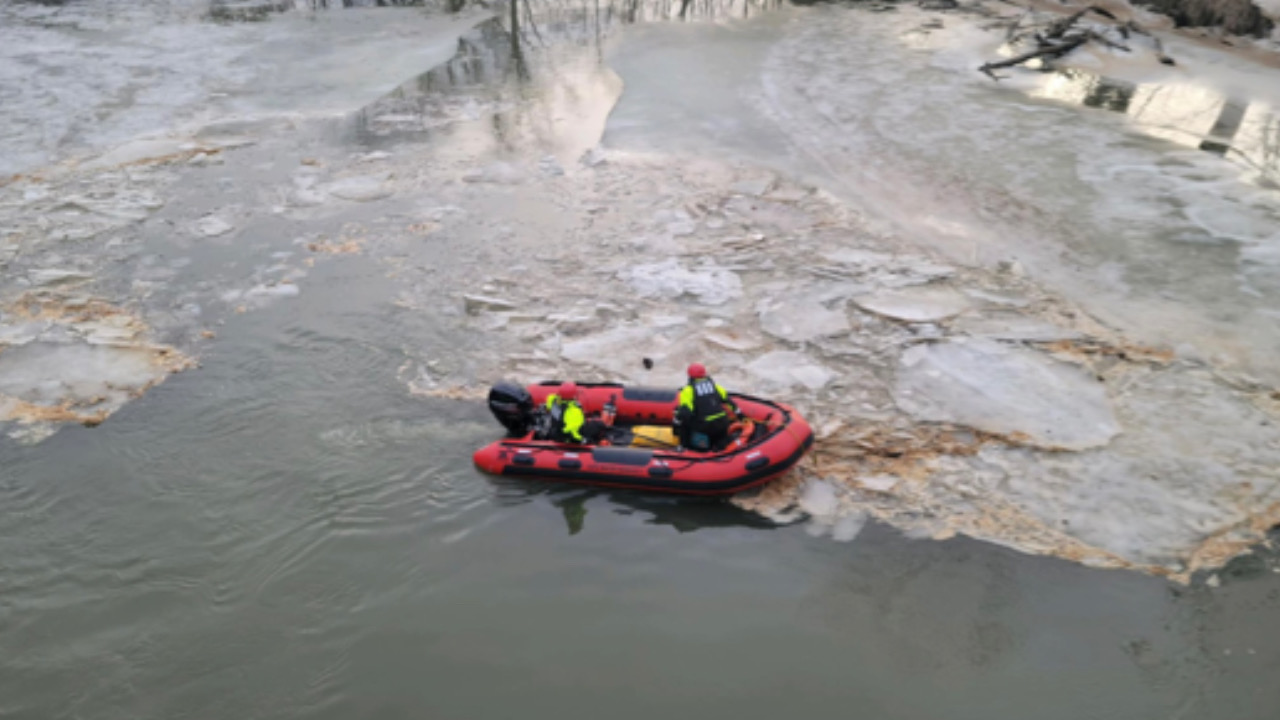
{"points": [[513, 406]]}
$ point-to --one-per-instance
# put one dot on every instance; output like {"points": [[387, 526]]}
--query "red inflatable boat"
{"points": [[769, 441]]}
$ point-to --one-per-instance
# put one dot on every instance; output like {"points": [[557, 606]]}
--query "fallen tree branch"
{"points": [[1013, 29], [1059, 27], [1059, 37], [1056, 50], [1099, 37], [1133, 26]]}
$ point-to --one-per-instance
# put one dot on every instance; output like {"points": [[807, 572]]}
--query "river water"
{"points": [[294, 529]]}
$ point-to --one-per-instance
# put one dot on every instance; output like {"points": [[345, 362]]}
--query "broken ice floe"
{"points": [[361, 188], [821, 503], [801, 320], [477, 303], [260, 295], [57, 276], [212, 226], [822, 507], [498, 173], [785, 369], [74, 363], [915, 304], [1005, 390], [710, 284], [1191, 462], [733, 341], [617, 350]]}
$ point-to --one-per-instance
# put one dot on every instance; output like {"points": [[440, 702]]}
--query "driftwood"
{"points": [[1054, 50], [1059, 27], [1134, 27], [1059, 37]]}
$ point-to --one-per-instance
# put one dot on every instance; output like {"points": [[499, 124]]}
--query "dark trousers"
{"points": [[592, 431], [706, 435]]}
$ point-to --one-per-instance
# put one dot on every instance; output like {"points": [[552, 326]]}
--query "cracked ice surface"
{"points": [[79, 364], [915, 304], [1190, 462], [709, 283], [1005, 390], [1160, 239], [992, 422], [796, 320]]}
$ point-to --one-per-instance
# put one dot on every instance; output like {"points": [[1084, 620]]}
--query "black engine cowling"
{"points": [[512, 405]]}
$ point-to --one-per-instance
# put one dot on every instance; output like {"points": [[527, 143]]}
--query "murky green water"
{"points": [[287, 532]]}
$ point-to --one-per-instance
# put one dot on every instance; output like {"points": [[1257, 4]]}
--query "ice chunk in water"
{"points": [[363, 188], [53, 373], [1193, 459], [213, 226], [857, 257], [801, 321], [986, 385], [54, 276], [499, 173], [819, 499], [268, 292], [785, 369], [821, 502], [477, 303], [915, 304], [847, 527], [617, 350], [879, 483], [712, 285]]}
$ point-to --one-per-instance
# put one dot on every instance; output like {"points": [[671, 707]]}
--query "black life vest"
{"points": [[707, 403]]}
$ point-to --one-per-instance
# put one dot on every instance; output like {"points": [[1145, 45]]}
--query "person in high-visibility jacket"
{"points": [[568, 422], [702, 412]]}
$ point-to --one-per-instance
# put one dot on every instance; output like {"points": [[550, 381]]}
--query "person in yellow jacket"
{"points": [[568, 422], [702, 412]]}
